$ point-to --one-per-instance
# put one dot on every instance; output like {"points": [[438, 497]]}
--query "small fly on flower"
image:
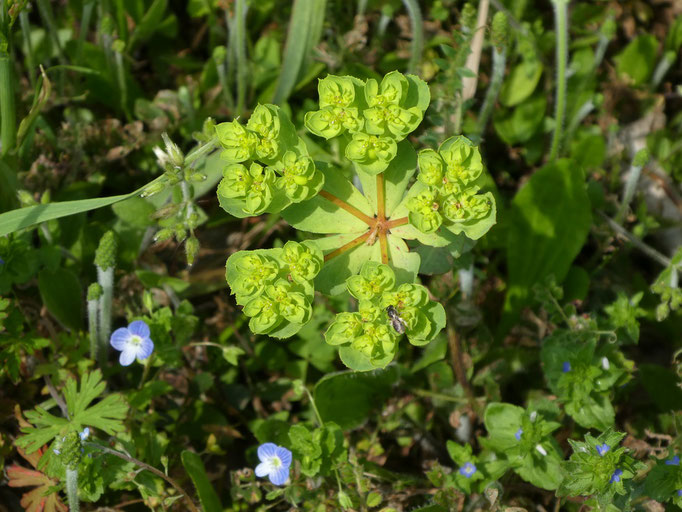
{"points": [[398, 323]]}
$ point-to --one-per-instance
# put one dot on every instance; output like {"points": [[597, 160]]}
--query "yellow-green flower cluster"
{"points": [[373, 331], [375, 115], [285, 174], [275, 286], [450, 195]]}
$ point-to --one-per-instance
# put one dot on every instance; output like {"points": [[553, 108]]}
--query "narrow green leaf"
{"points": [[295, 49], [210, 502], [26, 217]]}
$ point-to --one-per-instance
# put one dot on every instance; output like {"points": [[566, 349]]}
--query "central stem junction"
{"points": [[378, 226]]}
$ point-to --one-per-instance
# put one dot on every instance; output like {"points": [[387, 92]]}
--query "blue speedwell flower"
{"points": [[274, 463], [467, 470], [675, 461], [518, 434], [616, 476], [566, 367], [133, 342], [84, 435], [602, 449]]}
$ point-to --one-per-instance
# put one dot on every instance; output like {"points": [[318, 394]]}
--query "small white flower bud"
{"points": [[533, 415], [605, 363], [542, 451]]}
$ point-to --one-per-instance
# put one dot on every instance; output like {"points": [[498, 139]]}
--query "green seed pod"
{"points": [[163, 234], [94, 291], [105, 255]]}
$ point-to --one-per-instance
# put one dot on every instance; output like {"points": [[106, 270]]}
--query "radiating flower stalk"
{"points": [[561, 30]]}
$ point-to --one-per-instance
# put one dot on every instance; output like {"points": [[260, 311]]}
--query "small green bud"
{"points": [[154, 188], [173, 151], [105, 255], [45, 198], [94, 291], [219, 53], [148, 301], [468, 17], [641, 158], [118, 46], [180, 232], [25, 198], [163, 234], [191, 249], [499, 32]]}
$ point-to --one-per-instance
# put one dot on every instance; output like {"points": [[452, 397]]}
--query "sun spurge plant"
{"points": [[364, 215]]}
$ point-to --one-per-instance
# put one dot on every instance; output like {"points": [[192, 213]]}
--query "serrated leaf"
{"points": [[44, 497]]}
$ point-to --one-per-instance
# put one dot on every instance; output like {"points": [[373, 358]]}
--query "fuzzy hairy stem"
{"points": [[93, 325], [561, 21], [499, 64], [72, 490], [105, 278]]}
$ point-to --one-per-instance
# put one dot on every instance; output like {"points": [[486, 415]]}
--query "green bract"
{"points": [[358, 229], [449, 194], [368, 337], [274, 286]]}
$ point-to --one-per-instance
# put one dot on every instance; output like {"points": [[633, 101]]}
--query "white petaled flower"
{"points": [[605, 363], [133, 342], [274, 463], [542, 451]]}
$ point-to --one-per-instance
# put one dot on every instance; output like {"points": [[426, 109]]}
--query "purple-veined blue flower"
{"points": [[675, 461], [133, 342], [602, 449], [84, 435], [566, 367], [616, 476], [518, 434], [274, 463], [468, 470]]}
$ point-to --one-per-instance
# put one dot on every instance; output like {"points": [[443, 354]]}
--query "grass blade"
{"points": [[26, 217], [417, 24], [296, 48]]}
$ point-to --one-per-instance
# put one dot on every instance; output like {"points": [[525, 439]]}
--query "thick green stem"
{"points": [[499, 64], [417, 25], [26, 36], [242, 64], [105, 278], [72, 490], [85, 24], [93, 328], [8, 128], [561, 21]]}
